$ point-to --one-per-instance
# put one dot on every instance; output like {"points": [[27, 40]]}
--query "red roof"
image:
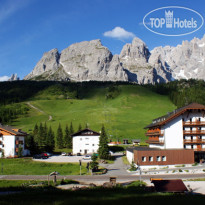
{"points": [[164, 119], [174, 185]]}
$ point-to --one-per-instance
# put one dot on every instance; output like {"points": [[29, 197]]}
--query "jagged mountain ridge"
{"points": [[90, 60]]}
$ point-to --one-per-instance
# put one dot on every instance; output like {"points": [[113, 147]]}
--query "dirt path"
{"points": [[39, 110]]}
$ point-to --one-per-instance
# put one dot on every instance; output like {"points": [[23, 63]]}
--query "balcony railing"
{"points": [[196, 123], [196, 141], [194, 132], [151, 133], [155, 142]]}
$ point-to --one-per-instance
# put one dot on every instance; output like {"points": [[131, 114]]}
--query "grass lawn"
{"points": [[125, 116], [25, 166]]}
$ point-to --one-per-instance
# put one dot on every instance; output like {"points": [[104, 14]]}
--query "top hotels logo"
{"points": [[173, 21]]}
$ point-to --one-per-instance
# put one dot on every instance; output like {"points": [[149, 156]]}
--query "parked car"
{"points": [[49, 154], [87, 157], [70, 154], [78, 154], [40, 156], [63, 154]]}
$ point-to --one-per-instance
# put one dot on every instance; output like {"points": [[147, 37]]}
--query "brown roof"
{"points": [[170, 116], [85, 132], [11, 130], [174, 185]]}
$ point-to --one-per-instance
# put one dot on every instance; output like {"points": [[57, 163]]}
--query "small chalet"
{"points": [[11, 139], [85, 141]]}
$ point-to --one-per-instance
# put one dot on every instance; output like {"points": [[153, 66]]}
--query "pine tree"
{"points": [[103, 150], [59, 137], [67, 137], [31, 145], [50, 140], [94, 163], [79, 127], [41, 140], [71, 128], [35, 133]]}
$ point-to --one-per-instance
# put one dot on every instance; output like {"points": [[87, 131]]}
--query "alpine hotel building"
{"points": [[176, 138]]}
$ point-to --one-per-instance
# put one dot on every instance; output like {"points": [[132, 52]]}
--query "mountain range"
{"points": [[90, 60]]}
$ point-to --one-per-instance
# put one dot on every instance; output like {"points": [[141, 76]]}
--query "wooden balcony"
{"points": [[197, 141], [155, 142], [194, 132], [196, 123], [153, 133]]}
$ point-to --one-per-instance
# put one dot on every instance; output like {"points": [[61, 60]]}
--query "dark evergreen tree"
{"points": [[41, 136], [79, 127], [31, 145], [103, 150], [67, 137], [50, 140], [59, 137], [94, 163], [71, 128], [35, 133]]}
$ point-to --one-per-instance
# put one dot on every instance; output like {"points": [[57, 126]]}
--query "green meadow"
{"points": [[26, 166], [124, 115]]}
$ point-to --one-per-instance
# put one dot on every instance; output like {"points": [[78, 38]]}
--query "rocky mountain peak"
{"points": [[90, 60]]}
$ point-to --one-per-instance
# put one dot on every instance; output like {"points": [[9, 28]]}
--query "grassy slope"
{"points": [[124, 117]]}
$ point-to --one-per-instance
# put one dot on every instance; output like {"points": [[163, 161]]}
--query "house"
{"points": [[85, 141], [125, 141], [11, 139], [176, 138], [136, 141]]}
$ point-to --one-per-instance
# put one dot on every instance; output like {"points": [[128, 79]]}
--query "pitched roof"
{"points": [[11, 130], [174, 185], [85, 132], [170, 116]]}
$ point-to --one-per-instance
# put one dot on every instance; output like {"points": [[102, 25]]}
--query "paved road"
{"points": [[102, 178], [118, 167]]}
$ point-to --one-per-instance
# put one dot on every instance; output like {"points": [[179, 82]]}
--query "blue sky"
{"points": [[28, 28]]}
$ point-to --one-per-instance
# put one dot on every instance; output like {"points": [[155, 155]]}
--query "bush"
{"points": [[180, 170], [195, 164], [133, 168]]}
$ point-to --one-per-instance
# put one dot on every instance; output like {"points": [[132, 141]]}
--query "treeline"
{"points": [[18, 91], [182, 92], [10, 112], [45, 139]]}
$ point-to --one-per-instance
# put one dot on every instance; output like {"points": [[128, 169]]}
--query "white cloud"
{"points": [[4, 78], [119, 33]]}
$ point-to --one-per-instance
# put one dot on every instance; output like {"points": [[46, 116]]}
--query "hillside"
{"points": [[124, 109]]}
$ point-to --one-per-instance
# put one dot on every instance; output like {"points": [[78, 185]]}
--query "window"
{"points": [[144, 159], [87, 138], [80, 150], [158, 158], [164, 158], [80, 139], [87, 144], [150, 159], [93, 144]]}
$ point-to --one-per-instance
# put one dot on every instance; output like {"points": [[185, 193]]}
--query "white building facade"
{"points": [[12, 141], [182, 129], [85, 142]]}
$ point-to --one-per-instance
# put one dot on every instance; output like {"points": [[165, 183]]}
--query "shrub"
{"points": [[133, 168], [180, 170]]}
